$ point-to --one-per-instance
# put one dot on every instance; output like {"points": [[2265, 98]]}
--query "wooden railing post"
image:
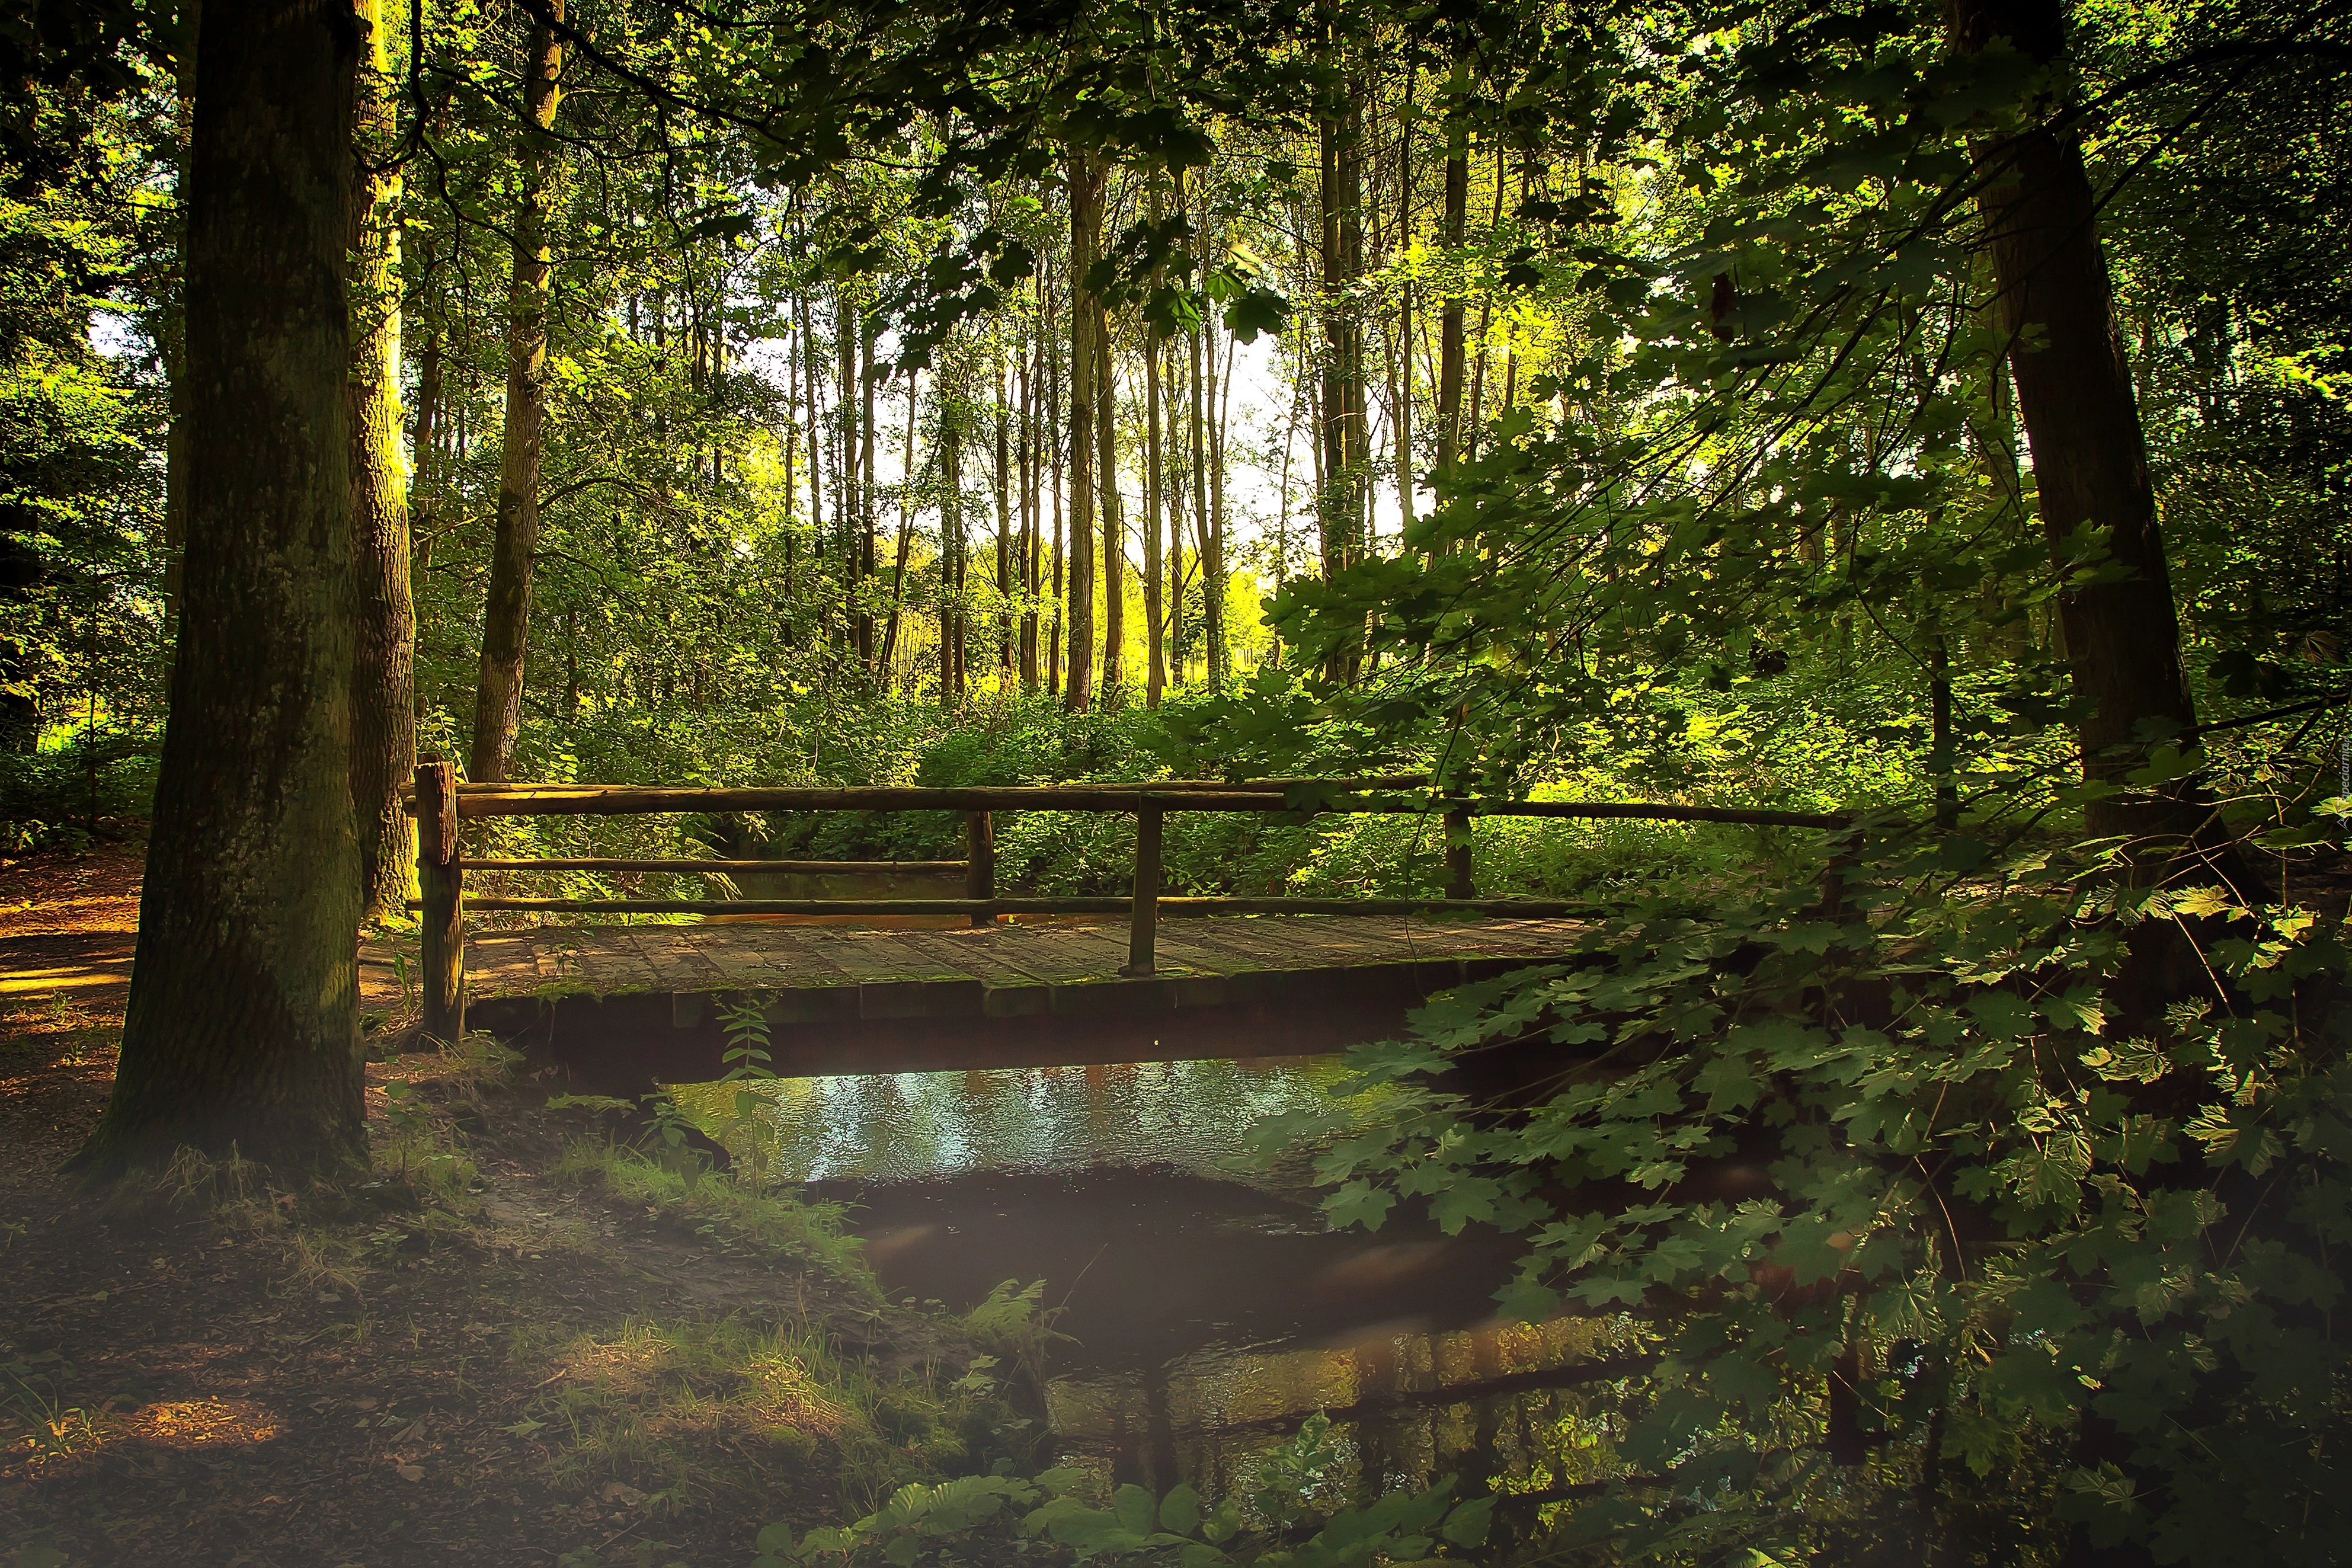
{"points": [[980, 860], [1461, 879], [442, 886], [1143, 927]]}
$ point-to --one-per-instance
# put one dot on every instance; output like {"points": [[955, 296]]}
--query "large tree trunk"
{"points": [[506, 618], [2082, 423], [243, 1023], [1085, 180], [383, 696]]}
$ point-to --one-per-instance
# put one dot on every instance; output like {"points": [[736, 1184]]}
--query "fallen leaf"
{"points": [[410, 1472]]}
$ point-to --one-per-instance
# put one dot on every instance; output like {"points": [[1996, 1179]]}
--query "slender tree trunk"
{"points": [[866, 501], [810, 370], [1030, 514], [1197, 434], [1053, 436], [383, 699], [1086, 180], [425, 476], [1340, 193], [242, 1029], [1114, 528], [906, 536], [1212, 548], [506, 619], [1155, 652], [2082, 423], [1403, 375], [951, 571], [1003, 476]]}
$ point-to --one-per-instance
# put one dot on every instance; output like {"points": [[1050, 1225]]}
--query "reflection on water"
{"points": [[1207, 1316], [924, 1126]]}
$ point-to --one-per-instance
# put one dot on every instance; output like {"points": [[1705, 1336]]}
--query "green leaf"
{"points": [[1134, 1508], [1180, 1510], [1359, 1203]]}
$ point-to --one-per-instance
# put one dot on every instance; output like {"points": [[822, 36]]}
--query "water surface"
{"points": [[1208, 1308]]}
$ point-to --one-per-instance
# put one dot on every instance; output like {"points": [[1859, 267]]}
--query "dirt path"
{"points": [[493, 1366]]}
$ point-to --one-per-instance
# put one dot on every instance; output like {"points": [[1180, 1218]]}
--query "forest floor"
{"points": [[513, 1346]]}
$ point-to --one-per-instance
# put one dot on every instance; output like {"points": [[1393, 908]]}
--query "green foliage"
{"points": [[2046, 1165], [976, 1514], [734, 1217]]}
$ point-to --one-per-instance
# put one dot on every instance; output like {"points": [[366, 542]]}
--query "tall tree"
{"points": [[1344, 434], [384, 696], [1001, 477], [242, 1027], [1085, 182], [505, 617], [1114, 526], [2075, 399], [1155, 651]]}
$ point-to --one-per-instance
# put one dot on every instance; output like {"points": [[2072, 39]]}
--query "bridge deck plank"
{"points": [[953, 968]]}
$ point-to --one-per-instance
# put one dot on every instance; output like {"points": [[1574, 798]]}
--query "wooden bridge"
{"points": [[1012, 981]]}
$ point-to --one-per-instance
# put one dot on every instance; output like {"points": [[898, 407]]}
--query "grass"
{"points": [[692, 1410], [733, 1215]]}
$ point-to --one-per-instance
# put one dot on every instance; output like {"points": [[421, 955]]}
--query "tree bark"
{"points": [[2081, 422], [952, 566], [1341, 195], [1155, 650], [1403, 374], [1030, 545], [1114, 526], [906, 537], [869, 440], [174, 345], [1197, 434], [242, 1029], [506, 618], [384, 694], [1086, 180], [1002, 479], [1213, 551]]}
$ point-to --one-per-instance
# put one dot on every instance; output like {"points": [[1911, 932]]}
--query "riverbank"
{"points": [[509, 1346]]}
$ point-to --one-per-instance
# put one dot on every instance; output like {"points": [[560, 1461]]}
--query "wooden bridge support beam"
{"points": [[980, 860], [1461, 879], [442, 882], [1143, 929]]}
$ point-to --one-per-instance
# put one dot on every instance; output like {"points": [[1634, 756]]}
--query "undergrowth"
{"points": [[733, 1217], [692, 1411]]}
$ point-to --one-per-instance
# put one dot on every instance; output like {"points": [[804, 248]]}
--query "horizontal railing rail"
{"points": [[722, 867], [439, 802]]}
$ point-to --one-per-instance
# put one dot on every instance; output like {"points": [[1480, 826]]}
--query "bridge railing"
{"points": [[439, 804]]}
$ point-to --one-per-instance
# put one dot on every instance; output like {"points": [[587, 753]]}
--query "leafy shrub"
{"points": [[2012, 1194]]}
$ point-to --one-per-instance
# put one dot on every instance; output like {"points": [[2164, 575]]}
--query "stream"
{"points": [[1208, 1311]]}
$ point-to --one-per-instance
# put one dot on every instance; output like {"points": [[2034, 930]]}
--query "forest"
{"points": [[1868, 484]]}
